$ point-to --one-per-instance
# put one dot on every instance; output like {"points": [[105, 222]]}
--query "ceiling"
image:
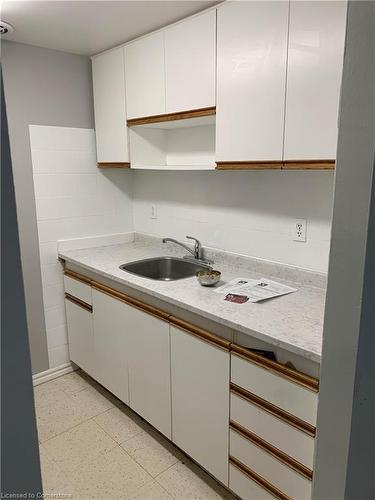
{"points": [[89, 27]]}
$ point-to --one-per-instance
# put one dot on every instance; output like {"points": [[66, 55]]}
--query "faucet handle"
{"points": [[197, 247]]}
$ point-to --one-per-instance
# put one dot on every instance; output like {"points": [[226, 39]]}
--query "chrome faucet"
{"points": [[197, 252]]}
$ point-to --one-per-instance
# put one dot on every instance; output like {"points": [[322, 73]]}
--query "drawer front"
{"points": [[279, 391], [280, 475], [245, 487], [275, 431], [78, 289]]}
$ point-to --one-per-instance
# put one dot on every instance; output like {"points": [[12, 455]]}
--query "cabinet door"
{"points": [[109, 106], [251, 73], [145, 76], [200, 401], [316, 46], [111, 337], [80, 336], [149, 369], [190, 54]]}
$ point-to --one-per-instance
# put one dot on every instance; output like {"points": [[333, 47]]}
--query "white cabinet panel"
{"points": [[110, 107], [80, 336], [111, 337], [190, 53], [251, 74], [316, 46], [145, 76], [149, 369], [200, 401], [78, 289]]}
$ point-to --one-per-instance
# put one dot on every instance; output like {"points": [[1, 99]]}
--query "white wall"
{"points": [[73, 199], [251, 213]]}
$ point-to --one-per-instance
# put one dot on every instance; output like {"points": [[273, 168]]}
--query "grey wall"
{"points": [[42, 87], [344, 466]]}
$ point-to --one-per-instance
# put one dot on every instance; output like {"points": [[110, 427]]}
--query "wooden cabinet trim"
{"points": [[200, 333], [275, 411], [168, 117], [78, 302], [309, 164], [283, 371], [154, 311], [77, 276], [102, 164], [272, 450], [249, 165], [277, 165], [263, 483]]}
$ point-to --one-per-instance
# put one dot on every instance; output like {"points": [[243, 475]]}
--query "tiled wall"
{"points": [[250, 213], [73, 199]]}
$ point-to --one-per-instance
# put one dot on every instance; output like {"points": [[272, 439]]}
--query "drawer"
{"points": [[262, 462], [282, 391], [276, 431], [78, 289], [245, 487]]}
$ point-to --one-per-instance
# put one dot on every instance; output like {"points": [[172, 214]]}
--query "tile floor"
{"points": [[93, 446]]}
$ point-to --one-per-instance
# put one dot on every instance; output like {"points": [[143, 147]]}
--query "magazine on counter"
{"points": [[255, 290]]}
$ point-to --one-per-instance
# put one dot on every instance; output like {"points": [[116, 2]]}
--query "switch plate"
{"points": [[299, 230], [154, 212]]}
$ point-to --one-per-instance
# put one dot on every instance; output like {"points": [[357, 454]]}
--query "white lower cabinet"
{"points": [[149, 369], [111, 337], [200, 401], [80, 335], [245, 487]]}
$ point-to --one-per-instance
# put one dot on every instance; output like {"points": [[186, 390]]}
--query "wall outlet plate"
{"points": [[299, 230]]}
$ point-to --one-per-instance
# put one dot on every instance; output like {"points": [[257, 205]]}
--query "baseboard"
{"points": [[52, 373]]}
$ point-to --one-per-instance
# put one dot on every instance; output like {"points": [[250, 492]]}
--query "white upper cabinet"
{"points": [[145, 76], [316, 46], [251, 74], [190, 53], [110, 107]]}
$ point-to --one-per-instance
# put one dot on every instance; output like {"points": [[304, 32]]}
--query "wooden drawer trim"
{"points": [[249, 165], [77, 276], [154, 311], [200, 333], [168, 117], [309, 164], [78, 302], [104, 164], [281, 370], [270, 488], [275, 411], [272, 450]]}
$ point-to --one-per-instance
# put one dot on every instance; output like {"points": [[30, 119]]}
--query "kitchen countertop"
{"points": [[293, 322]]}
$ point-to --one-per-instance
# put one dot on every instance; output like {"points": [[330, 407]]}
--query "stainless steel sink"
{"points": [[164, 268]]}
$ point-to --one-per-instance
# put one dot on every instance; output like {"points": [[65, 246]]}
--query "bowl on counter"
{"points": [[208, 277]]}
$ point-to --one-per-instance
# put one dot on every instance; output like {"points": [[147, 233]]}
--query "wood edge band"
{"points": [[167, 117], [199, 332], [293, 375], [273, 410], [277, 165], [77, 276], [154, 311], [78, 302], [263, 483], [249, 165], [124, 164], [272, 450]]}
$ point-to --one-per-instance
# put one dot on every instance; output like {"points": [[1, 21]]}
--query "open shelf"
{"points": [[186, 144]]}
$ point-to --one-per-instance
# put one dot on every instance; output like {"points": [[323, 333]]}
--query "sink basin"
{"points": [[164, 268]]}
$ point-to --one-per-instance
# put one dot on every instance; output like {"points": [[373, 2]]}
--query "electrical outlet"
{"points": [[299, 231], [154, 212]]}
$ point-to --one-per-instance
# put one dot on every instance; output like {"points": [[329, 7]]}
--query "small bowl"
{"points": [[208, 277]]}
